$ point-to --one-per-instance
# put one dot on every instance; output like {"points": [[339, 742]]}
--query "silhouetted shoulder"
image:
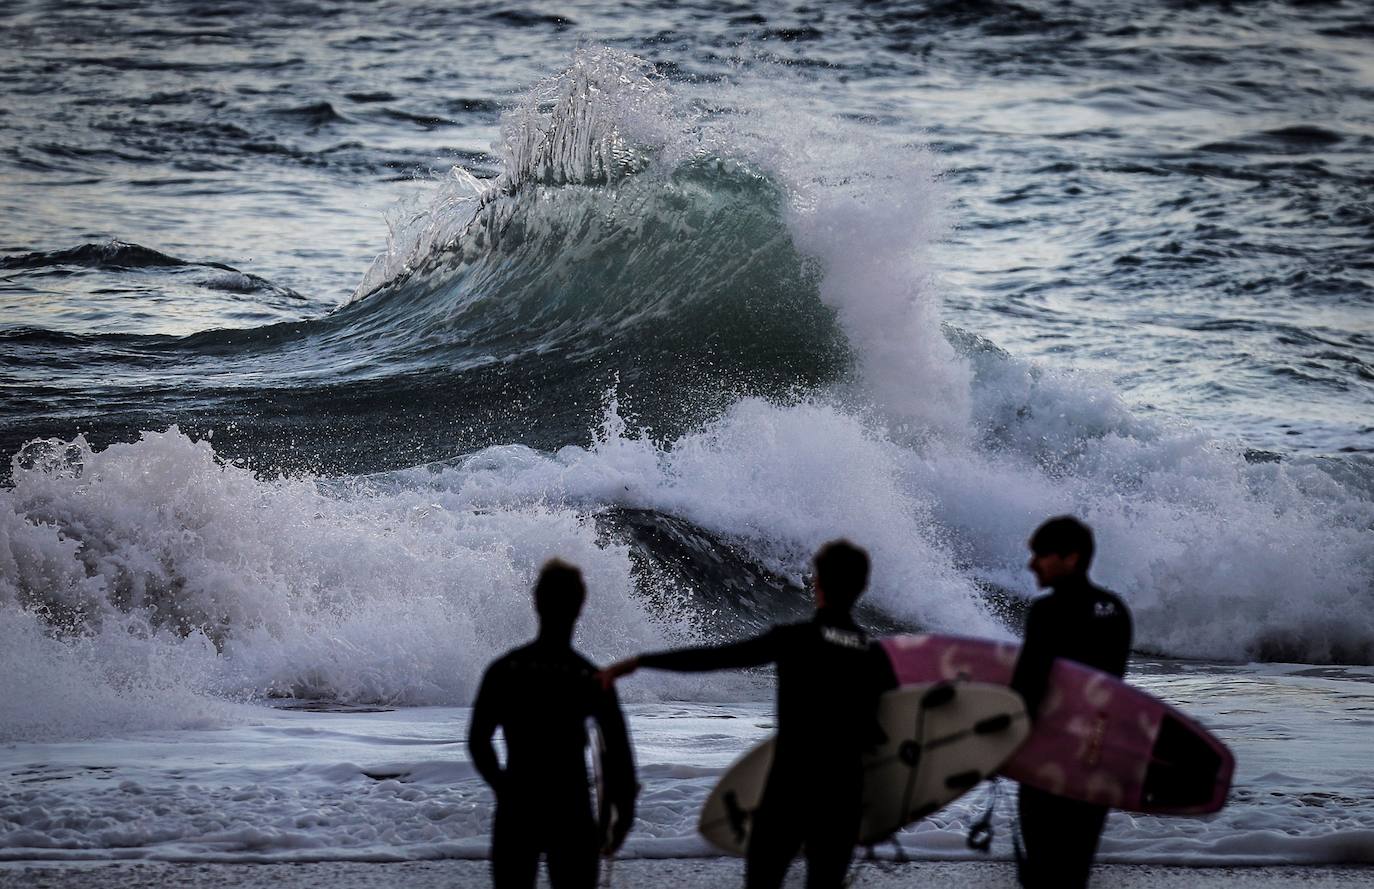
{"points": [[497, 668], [508, 661], [1109, 604]]}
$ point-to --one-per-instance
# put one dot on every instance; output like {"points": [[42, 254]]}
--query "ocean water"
{"points": [[323, 325]]}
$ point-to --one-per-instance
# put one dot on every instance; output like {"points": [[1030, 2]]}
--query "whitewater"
{"points": [[678, 311]]}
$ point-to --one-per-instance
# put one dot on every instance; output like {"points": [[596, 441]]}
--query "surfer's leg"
{"points": [[774, 840], [1059, 837], [829, 851], [831, 825], [1035, 829], [514, 850], [1082, 829], [573, 856]]}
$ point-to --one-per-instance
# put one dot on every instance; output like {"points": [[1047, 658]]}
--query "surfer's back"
{"points": [[541, 696], [829, 678]]}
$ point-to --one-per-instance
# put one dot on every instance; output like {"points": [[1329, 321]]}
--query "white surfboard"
{"points": [[604, 795], [596, 772], [942, 740]]}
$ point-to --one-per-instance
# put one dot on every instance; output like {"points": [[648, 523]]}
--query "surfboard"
{"points": [[607, 794], [1097, 739], [942, 739], [727, 816]]}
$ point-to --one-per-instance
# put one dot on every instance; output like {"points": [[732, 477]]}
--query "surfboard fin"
{"points": [[963, 780], [938, 696], [999, 723], [739, 817]]}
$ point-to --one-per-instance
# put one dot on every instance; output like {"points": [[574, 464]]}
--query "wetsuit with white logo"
{"points": [[1085, 623], [541, 696], [829, 678]]}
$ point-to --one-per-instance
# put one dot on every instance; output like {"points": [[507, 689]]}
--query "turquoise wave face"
{"points": [[684, 290]]}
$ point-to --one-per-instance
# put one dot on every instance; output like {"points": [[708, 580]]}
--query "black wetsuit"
{"points": [[829, 678], [541, 696], [1083, 623]]}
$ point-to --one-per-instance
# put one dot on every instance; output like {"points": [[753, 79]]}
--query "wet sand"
{"points": [[688, 873]]}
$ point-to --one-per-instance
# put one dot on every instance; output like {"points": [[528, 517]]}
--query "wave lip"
{"points": [[592, 124]]}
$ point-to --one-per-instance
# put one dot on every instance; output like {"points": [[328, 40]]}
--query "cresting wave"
{"points": [[621, 246], [157, 580]]}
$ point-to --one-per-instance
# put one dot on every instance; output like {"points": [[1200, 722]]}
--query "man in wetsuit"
{"points": [[541, 696], [1082, 622], [829, 678]]}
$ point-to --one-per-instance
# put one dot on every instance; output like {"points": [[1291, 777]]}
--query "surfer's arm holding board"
{"points": [[618, 765], [1032, 675]]}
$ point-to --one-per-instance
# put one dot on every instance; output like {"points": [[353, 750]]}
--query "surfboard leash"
{"points": [[1018, 851], [980, 832], [910, 753]]}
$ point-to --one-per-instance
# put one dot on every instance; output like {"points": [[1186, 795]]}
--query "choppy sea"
{"points": [[322, 325]]}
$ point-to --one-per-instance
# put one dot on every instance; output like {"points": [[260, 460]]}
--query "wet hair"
{"points": [[842, 571], [1063, 535], [559, 594]]}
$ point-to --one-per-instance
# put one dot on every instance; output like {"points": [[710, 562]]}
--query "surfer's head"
{"points": [[1061, 548], [558, 597], [841, 574]]}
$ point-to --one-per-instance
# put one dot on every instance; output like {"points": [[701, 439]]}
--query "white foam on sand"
{"points": [[695, 873], [397, 785]]}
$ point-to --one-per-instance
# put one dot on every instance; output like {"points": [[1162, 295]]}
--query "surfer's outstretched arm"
{"points": [[480, 732], [762, 649], [753, 652]]}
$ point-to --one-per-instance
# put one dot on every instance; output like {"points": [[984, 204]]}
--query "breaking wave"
{"points": [[693, 352]]}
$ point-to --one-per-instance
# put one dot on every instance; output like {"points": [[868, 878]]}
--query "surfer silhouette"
{"points": [[1082, 622], [829, 678], [541, 696]]}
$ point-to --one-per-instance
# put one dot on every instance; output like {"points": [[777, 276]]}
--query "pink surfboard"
{"points": [[1097, 739]]}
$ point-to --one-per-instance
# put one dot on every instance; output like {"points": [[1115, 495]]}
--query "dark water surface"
{"points": [[1175, 196]]}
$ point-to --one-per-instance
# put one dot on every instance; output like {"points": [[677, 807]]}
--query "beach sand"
{"points": [[690, 873]]}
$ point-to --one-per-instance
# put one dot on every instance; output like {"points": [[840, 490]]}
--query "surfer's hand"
{"points": [[609, 675]]}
